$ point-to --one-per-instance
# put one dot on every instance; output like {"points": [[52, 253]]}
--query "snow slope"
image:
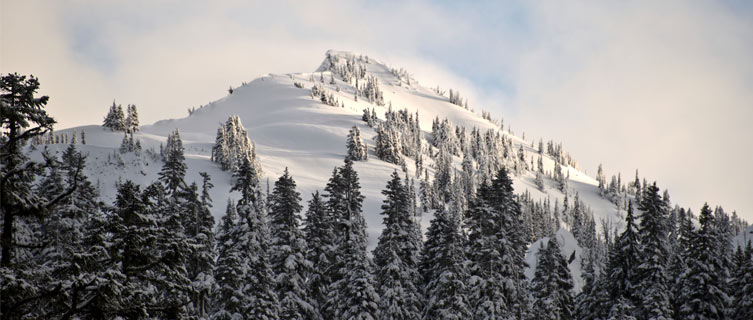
{"points": [[292, 129], [568, 246]]}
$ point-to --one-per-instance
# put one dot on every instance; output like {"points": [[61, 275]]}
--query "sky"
{"points": [[665, 87]]}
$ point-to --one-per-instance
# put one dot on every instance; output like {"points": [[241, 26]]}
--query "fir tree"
{"points": [[496, 248], [352, 294], [228, 298], [132, 119], [198, 223], [396, 256], [320, 239], [174, 170], [552, 285], [23, 118], [444, 269], [288, 250], [704, 296], [357, 150], [623, 262], [652, 290], [742, 285], [253, 242]]}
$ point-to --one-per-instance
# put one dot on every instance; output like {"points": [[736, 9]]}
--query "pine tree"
{"points": [[288, 250], [352, 294], [396, 256], [173, 250], [76, 253], [552, 285], [111, 120], [228, 298], [357, 150], [704, 296], [198, 223], [651, 277], [23, 118], [174, 170], [253, 241], [444, 269], [742, 285], [134, 236], [132, 119], [388, 147], [496, 248], [120, 119], [623, 262], [320, 239]]}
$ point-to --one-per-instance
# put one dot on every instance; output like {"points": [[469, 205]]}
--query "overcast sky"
{"points": [[662, 86]]}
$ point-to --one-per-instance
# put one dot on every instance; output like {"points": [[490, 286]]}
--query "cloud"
{"points": [[664, 87]]}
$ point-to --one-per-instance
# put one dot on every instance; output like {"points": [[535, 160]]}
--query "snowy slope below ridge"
{"points": [[292, 129], [568, 246]]}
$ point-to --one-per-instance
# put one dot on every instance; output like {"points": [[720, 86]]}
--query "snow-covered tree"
{"points": [[652, 283], [444, 268], [496, 248], [396, 256], [623, 261], [741, 285], [551, 286], [287, 251], [228, 299], [132, 119], [115, 119], [388, 146], [232, 145], [357, 150], [319, 232], [352, 294], [23, 118], [174, 170], [704, 296]]}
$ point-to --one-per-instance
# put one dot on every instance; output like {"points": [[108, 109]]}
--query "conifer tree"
{"points": [[228, 298], [252, 237], [352, 294], [623, 262], [174, 170], [396, 256], [198, 223], [288, 250], [357, 150], [444, 269], [132, 119], [742, 284], [320, 239], [552, 285], [496, 248], [651, 279], [704, 296], [23, 118], [111, 120]]}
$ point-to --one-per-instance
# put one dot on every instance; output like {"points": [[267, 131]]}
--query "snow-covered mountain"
{"points": [[295, 130]]}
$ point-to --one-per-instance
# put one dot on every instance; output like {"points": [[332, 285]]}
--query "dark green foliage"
{"points": [[174, 170], [320, 239], [352, 293], [396, 256], [651, 279], [704, 296], [288, 249], [444, 269], [496, 248], [552, 285]]}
